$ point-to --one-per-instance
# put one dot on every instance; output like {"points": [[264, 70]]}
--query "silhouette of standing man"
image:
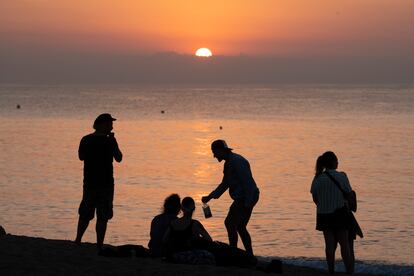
{"points": [[97, 150], [243, 190]]}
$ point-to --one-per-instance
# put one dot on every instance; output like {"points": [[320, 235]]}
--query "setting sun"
{"points": [[203, 52]]}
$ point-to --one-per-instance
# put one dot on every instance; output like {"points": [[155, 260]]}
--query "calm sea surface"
{"points": [[281, 131]]}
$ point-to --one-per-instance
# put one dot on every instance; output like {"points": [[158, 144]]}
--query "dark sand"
{"points": [[20, 255]]}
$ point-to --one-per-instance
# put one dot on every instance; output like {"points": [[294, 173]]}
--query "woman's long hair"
{"points": [[326, 161], [172, 205]]}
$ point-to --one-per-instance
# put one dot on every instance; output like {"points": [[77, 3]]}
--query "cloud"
{"points": [[51, 67]]}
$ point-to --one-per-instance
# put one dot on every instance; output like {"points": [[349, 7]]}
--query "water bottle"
{"points": [[207, 211]]}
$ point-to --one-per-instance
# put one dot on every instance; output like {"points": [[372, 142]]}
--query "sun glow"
{"points": [[203, 52]]}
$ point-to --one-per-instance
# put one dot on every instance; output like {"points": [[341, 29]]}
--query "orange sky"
{"points": [[227, 27]]}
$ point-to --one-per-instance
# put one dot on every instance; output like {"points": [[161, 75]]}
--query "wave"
{"points": [[366, 267]]}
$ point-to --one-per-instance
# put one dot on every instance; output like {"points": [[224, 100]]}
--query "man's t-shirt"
{"points": [[98, 153], [239, 180]]}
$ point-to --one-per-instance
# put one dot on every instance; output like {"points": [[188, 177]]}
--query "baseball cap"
{"points": [[104, 117], [220, 144]]}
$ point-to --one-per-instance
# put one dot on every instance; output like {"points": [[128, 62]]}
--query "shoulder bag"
{"points": [[350, 197]]}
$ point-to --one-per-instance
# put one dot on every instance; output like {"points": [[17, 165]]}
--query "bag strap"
{"points": [[337, 184]]}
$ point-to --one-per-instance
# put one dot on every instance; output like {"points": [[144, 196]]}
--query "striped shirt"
{"points": [[327, 194]]}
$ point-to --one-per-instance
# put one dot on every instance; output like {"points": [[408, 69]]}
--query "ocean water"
{"points": [[280, 130]]}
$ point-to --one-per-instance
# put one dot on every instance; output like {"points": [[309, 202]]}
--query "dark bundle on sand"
{"points": [[125, 251], [224, 255], [2, 231]]}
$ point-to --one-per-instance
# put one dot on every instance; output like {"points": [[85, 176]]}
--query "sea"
{"points": [[165, 135]]}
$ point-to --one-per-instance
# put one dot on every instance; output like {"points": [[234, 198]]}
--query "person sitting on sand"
{"points": [[332, 213], [183, 234], [187, 241], [97, 151], [160, 224]]}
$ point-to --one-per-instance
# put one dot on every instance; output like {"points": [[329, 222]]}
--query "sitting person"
{"points": [[160, 224], [187, 241], [182, 238]]}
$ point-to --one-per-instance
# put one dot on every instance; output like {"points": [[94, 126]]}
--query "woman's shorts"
{"points": [[338, 220]]}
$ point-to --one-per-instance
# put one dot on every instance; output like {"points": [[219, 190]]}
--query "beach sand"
{"points": [[21, 255]]}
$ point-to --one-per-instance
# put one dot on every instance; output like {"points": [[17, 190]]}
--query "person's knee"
{"points": [[329, 249], [343, 241], [86, 213], [85, 217], [330, 246], [101, 221], [242, 229], [104, 214], [242, 226], [230, 224]]}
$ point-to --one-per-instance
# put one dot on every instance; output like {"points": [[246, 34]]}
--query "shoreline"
{"points": [[22, 255]]}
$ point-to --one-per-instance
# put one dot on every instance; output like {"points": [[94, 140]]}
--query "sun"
{"points": [[203, 52]]}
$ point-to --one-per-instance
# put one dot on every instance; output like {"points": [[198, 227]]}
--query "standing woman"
{"points": [[332, 212]]}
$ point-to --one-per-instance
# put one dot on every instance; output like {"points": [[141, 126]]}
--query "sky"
{"points": [[41, 39]]}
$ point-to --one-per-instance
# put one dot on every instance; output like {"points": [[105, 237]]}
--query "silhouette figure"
{"points": [[183, 236], [187, 241], [243, 190], [184, 231], [160, 224], [333, 216], [97, 150]]}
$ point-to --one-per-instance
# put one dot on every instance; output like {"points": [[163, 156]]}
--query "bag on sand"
{"points": [[124, 251]]}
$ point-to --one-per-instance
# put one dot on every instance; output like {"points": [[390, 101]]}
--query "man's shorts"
{"points": [[239, 215], [101, 199]]}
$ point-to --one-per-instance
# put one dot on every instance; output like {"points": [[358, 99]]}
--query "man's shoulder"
{"points": [[157, 218], [87, 137], [237, 158]]}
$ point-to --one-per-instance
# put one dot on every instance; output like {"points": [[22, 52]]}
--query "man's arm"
{"points": [[313, 191], [118, 155], [315, 199], [117, 151], [201, 231], [82, 150], [221, 188]]}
